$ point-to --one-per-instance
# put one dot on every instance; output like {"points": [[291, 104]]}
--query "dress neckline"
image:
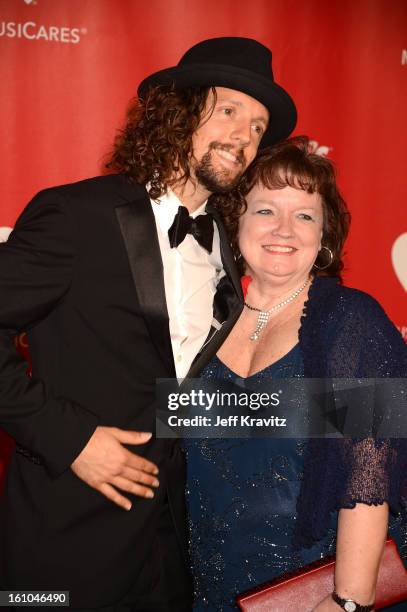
{"points": [[274, 365]]}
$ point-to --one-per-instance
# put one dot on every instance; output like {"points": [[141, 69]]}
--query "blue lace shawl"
{"points": [[345, 333]]}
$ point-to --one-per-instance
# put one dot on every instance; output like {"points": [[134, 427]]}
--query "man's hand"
{"points": [[106, 465]]}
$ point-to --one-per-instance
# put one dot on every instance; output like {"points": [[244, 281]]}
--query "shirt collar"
{"points": [[166, 207]]}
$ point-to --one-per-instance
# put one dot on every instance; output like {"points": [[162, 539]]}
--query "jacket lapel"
{"points": [[137, 224], [228, 259], [227, 303], [214, 341]]}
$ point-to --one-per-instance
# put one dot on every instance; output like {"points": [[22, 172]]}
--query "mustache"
{"points": [[229, 148]]}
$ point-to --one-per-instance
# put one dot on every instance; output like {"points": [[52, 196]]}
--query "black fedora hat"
{"points": [[238, 63]]}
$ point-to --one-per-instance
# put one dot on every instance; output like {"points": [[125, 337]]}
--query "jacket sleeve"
{"points": [[37, 265], [357, 341]]}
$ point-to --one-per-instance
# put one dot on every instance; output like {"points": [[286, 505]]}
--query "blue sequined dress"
{"points": [[242, 496]]}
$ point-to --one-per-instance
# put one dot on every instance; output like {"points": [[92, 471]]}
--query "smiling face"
{"points": [[227, 140], [280, 234]]}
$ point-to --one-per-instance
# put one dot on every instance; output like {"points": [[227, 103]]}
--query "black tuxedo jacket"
{"points": [[82, 272]]}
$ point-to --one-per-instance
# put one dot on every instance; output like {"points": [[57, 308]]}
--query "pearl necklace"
{"points": [[264, 315]]}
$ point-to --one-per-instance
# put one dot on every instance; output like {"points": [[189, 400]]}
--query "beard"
{"points": [[218, 181]]}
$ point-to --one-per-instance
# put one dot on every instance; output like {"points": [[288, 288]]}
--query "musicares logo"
{"points": [[5, 233], [30, 30], [315, 147], [399, 261]]}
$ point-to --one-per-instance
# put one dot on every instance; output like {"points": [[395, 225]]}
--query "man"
{"points": [[118, 280]]}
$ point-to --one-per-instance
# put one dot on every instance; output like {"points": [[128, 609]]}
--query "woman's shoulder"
{"points": [[334, 309], [347, 330], [327, 294]]}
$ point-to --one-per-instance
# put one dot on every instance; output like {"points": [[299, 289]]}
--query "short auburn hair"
{"points": [[293, 163]]}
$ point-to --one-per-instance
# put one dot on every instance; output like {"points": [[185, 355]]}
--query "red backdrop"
{"points": [[68, 69]]}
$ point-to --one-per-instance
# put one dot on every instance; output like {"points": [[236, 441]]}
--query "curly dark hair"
{"points": [[292, 163], [155, 145]]}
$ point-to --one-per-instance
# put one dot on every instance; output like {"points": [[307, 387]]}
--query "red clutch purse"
{"points": [[307, 587]]}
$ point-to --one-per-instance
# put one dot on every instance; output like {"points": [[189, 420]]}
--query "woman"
{"points": [[251, 520]]}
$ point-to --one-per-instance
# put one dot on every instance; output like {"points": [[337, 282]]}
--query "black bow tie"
{"points": [[201, 228]]}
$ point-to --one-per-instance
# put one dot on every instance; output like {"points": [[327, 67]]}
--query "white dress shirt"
{"points": [[191, 275]]}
